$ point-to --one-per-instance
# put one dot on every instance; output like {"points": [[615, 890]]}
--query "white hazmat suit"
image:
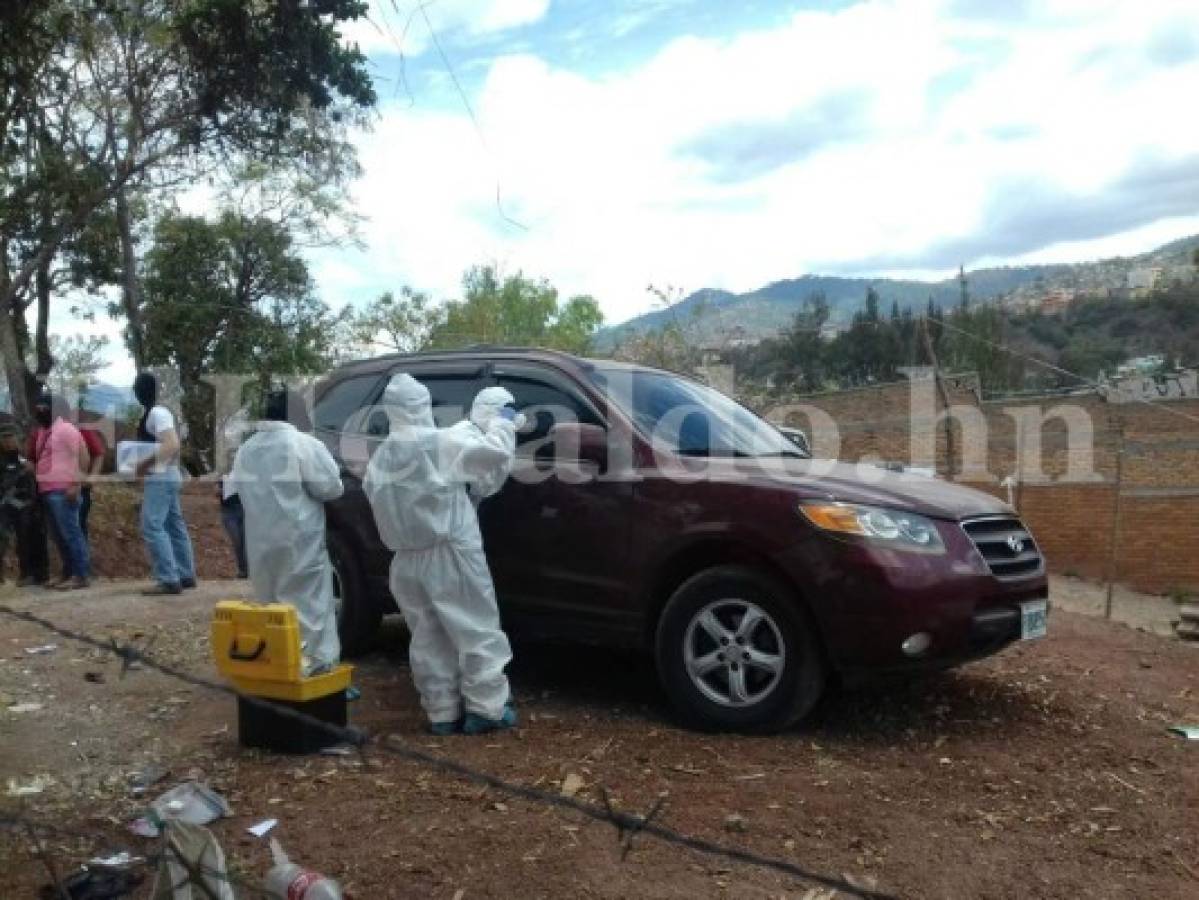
{"points": [[483, 412], [284, 477], [417, 486]]}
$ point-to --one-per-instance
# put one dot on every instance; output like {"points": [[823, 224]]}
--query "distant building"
{"points": [[1019, 303], [1141, 365], [1055, 302], [1142, 281], [1180, 385], [829, 331]]}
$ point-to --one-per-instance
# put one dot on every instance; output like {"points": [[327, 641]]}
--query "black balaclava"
{"points": [[286, 405], [145, 389], [8, 430], [43, 409]]}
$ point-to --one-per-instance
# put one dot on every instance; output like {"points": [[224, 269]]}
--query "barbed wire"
{"points": [[627, 825]]}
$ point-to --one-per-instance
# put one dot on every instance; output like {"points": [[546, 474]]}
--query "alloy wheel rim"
{"points": [[338, 598], [734, 653]]}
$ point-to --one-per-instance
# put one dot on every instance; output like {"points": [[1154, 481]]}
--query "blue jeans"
{"points": [[164, 531], [234, 519], [72, 544]]}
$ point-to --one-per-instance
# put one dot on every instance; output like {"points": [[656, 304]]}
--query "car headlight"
{"points": [[900, 530]]}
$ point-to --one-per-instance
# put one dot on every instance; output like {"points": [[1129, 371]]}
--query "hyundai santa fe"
{"points": [[648, 510]]}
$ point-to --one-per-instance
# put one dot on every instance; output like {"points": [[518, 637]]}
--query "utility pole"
{"points": [[1114, 538], [943, 392]]}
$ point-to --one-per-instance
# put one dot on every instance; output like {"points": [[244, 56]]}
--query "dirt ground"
{"points": [[1149, 612], [1044, 772], [117, 550]]}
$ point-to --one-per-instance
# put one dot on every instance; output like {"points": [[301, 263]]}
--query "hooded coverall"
{"points": [[417, 486]]}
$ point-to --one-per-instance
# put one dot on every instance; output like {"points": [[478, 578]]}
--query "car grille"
{"points": [[1006, 545]]}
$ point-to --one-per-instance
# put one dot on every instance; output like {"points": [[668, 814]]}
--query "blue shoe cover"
{"points": [[476, 724]]}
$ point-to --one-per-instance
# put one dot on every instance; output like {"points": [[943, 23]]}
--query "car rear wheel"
{"points": [[358, 616], [735, 651]]}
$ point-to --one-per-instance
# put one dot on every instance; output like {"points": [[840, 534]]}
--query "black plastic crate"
{"points": [[269, 729]]}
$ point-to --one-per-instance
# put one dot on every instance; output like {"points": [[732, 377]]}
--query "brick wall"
{"points": [[1064, 471]]}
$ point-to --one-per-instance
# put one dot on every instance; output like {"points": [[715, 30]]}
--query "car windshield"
{"points": [[691, 419]]}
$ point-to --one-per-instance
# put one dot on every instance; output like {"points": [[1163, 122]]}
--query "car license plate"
{"points": [[1034, 619]]}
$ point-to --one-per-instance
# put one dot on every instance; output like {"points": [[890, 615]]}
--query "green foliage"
{"points": [[255, 64], [231, 295], [100, 98], [1008, 351], [402, 324], [515, 310], [673, 341], [77, 359]]}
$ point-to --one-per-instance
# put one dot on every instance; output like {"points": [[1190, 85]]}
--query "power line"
{"points": [[470, 111]]}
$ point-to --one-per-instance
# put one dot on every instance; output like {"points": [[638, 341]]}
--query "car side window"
{"points": [[544, 405], [451, 395], [342, 400]]}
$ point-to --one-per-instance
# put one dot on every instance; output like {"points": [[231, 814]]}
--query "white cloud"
{"points": [[955, 122], [393, 26], [956, 114]]}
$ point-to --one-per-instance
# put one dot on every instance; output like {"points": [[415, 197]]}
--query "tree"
{"points": [[77, 360], [978, 343], [801, 351], [39, 172], [402, 324], [516, 310], [97, 97], [230, 295], [672, 345], [865, 353]]}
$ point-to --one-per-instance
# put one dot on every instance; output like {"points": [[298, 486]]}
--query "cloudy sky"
{"points": [[612, 144]]}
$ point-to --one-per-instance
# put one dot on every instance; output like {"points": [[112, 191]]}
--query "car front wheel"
{"points": [[736, 652]]}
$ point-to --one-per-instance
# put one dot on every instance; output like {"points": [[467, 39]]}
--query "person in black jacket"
{"points": [[20, 514]]}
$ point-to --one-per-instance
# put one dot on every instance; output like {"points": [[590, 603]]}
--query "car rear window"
{"points": [[342, 400]]}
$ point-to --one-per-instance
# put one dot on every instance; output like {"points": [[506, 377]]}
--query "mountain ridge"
{"points": [[767, 310]]}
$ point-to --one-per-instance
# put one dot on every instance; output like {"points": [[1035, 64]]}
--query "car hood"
{"points": [[862, 483]]}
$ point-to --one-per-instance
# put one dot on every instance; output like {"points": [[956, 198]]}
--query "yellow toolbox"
{"points": [[260, 642], [257, 647]]}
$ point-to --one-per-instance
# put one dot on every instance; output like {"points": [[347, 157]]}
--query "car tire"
{"points": [[358, 615], [731, 620]]}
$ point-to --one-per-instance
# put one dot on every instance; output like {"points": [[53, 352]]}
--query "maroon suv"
{"points": [[648, 510]]}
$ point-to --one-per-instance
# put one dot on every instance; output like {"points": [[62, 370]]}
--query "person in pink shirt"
{"points": [[60, 460]]}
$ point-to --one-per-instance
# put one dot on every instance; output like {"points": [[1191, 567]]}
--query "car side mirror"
{"points": [[580, 442], [799, 439]]}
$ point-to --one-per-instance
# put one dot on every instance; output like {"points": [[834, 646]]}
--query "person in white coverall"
{"points": [[417, 484], [284, 478]]}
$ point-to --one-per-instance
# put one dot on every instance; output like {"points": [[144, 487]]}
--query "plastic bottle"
{"points": [[287, 881]]}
